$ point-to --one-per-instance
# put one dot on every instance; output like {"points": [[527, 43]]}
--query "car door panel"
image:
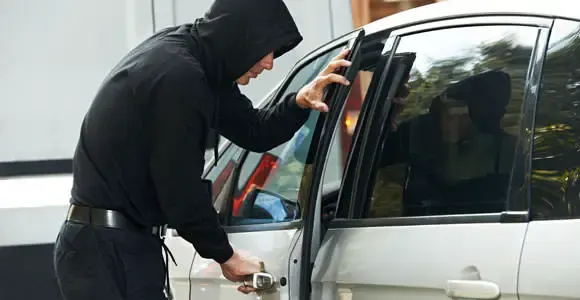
{"points": [[313, 229], [272, 247], [548, 268], [277, 172], [183, 253], [416, 261], [375, 250], [181, 250]]}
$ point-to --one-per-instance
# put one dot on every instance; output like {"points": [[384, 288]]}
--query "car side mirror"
{"points": [[262, 204]]}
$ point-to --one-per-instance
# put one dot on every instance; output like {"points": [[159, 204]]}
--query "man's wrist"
{"points": [[225, 256], [301, 101], [230, 260]]}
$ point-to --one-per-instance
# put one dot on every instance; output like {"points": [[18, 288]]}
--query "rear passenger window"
{"points": [[454, 146], [556, 157]]}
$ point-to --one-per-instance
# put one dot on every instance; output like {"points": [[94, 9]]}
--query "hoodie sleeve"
{"points": [[178, 128], [259, 130]]}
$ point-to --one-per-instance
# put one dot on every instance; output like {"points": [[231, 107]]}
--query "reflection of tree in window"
{"points": [[510, 52], [556, 161]]}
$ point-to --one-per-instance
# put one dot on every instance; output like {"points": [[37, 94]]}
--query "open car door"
{"points": [[390, 74], [262, 198], [312, 229]]}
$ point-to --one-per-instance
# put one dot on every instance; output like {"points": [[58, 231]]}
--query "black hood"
{"points": [[235, 34], [487, 95]]}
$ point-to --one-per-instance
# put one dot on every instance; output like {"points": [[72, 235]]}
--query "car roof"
{"points": [[460, 8]]}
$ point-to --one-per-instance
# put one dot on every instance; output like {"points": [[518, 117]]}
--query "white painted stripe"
{"points": [[30, 226], [35, 191]]}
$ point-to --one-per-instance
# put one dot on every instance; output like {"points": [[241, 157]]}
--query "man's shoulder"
{"points": [[165, 57], [184, 72], [184, 68], [171, 58]]}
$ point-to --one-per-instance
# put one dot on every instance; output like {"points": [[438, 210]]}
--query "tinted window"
{"points": [[269, 183], [556, 160], [453, 148]]}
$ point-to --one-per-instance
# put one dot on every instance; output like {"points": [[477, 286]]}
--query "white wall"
{"points": [[55, 54]]}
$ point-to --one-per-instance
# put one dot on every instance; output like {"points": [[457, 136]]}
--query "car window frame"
{"points": [[354, 217], [276, 98]]}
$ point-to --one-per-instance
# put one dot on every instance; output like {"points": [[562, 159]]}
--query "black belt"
{"points": [[114, 219], [108, 218]]}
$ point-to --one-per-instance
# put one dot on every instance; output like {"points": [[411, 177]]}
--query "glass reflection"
{"points": [[556, 161], [453, 151]]}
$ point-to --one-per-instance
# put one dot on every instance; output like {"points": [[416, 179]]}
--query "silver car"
{"points": [[468, 189]]}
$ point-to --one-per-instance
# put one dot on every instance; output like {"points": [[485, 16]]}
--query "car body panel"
{"points": [[272, 247], [549, 263], [549, 268], [415, 262]]}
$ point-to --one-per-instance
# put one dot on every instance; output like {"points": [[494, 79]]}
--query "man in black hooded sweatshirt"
{"points": [[140, 156]]}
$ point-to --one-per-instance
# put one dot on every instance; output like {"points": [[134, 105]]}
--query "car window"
{"points": [[269, 183], [302, 77], [556, 162], [452, 149]]}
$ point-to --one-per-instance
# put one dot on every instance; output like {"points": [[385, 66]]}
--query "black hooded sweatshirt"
{"points": [[142, 143]]}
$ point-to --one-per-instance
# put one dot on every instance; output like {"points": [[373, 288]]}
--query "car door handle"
{"points": [[472, 289], [261, 281]]}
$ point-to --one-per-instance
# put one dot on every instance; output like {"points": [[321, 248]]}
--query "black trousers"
{"points": [[104, 263]]}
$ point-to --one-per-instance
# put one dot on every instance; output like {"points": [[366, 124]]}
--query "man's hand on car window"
{"points": [[312, 95], [238, 267]]}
